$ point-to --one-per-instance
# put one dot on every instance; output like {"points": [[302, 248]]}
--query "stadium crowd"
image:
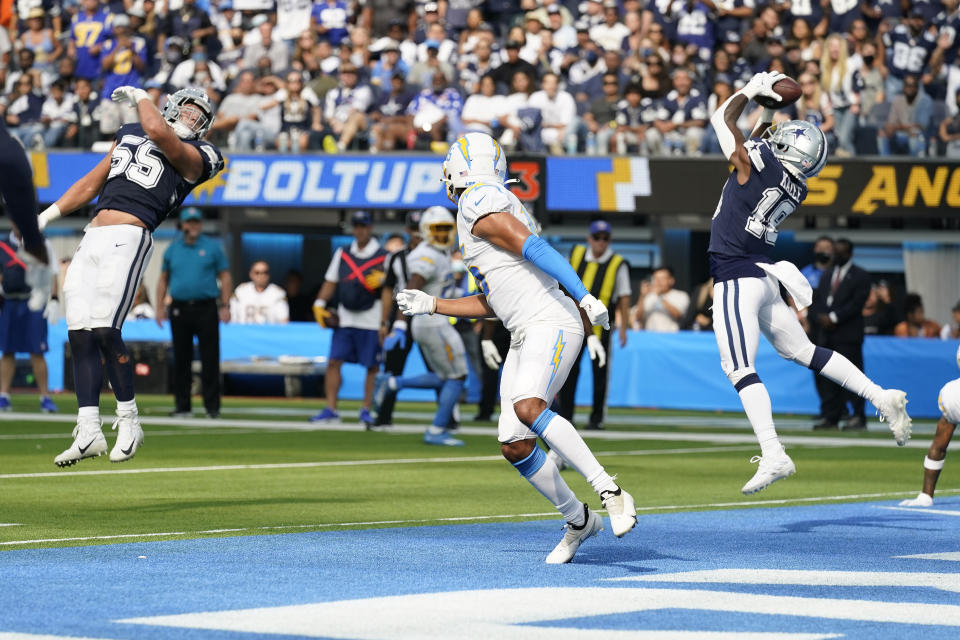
{"points": [[557, 76]]}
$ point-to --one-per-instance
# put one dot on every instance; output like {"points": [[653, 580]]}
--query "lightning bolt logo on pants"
{"points": [[557, 355]]}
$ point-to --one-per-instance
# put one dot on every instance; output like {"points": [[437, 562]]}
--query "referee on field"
{"points": [[191, 265], [606, 275]]}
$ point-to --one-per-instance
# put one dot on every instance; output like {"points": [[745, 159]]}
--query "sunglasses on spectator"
{"points": [[601, 237]]}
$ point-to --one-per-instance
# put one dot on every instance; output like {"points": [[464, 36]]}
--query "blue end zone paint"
{"points": [[78, 591]]}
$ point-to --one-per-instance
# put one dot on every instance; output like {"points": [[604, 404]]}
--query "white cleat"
{"points": [[564, 552], [129, 436], [88, 442], [922, 500], [621, 511], [771, 469], [893, 408]]}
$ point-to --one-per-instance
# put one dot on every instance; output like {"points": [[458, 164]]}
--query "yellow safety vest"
{"points": [[598, 278]]}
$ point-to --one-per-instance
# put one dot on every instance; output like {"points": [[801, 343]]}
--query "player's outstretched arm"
{"points": [[80, 192], [185, 158], [725, 118], [506, 232], [413, 302]]}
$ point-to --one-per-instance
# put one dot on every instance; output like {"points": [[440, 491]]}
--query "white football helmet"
{"points": [[473, 158], [958, 356], [196, 129], [800, 146], [438, 228]]}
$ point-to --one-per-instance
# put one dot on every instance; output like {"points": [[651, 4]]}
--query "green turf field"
{"points": [[213, 478]]}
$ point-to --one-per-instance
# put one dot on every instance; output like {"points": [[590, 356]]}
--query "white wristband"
{"points": [[320, 303], [935, 465], [140, 94], [399, 325]]}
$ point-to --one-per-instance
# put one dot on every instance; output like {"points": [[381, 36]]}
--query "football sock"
{"points": [[559, 434], [92, 413], [423, 381], [87, 367], [845, 374], [557, 460], [542, 473], [116, 361], [756, 404], [127, 406], [449, 394]]}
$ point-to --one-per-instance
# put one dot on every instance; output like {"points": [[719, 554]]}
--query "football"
{"points": [[789, 91]]}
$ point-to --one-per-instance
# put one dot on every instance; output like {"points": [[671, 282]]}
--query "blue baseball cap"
{"points": [[190, 213], [599, 226], [361, 218]]}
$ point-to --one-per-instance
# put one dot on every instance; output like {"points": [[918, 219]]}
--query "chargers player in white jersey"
{"points": [[518, 275], [767, 184], [949, 401], [440, 345]]}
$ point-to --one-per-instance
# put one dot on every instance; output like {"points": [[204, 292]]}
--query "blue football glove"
{"points": [[396, 339]]}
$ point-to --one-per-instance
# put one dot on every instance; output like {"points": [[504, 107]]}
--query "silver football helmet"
{"points": [[198, 127], [800, 146]]}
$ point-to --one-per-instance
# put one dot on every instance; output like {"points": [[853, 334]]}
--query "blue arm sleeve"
{"points": [[546, 258]]}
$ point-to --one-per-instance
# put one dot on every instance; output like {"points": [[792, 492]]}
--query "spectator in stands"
{"points": [[192, 25], [904, 132], [878, 319], [634, 120], [694, 28], [916, 324], [123, 60], [423, 71], [559, 115], [522, 124], [259, 301], [300, 114], [436, 112], [82, 131], [356, 274], [446, 49], [329, 19], [192, 266], [869, 79], [683, 116], [40, 39], [814, 106], [505, 73], [837, 82], [564, 35], [346, 107], [57, 114], [392, 125], [199, 71], [484, 110], [836, 321], [88, 31], [951, 330], [388, 65], [23, 112], [607, 276], [949, 130], [663, 307], [908, 49], [267, 46], [610, 33], [600, 119], [703, 307], [239, 116], [473, 66], [823, 251]]}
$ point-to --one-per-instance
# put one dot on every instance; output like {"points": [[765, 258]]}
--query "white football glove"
{"points": [[131, 95], [596, 350], [413, 302], [52, 311], [597, 314], [50, 213], [761, 84], [491, 355]]}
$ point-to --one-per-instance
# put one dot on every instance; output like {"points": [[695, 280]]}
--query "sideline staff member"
{"points": [[191, 265], [606, 275]]}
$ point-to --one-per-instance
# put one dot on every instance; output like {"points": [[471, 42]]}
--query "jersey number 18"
{"points": [[773, 208]]}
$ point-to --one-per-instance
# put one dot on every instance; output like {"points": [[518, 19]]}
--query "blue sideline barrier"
{"points": [[667, 371]]}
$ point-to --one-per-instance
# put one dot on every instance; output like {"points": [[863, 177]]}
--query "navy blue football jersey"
{"points": [[908, 54], [744, 226], [142, 182]]}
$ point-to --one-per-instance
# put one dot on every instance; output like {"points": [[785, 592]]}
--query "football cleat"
{"points": [[88, 442], [922, 500], [442, 439], [574, 537], [327, 415], [129, 436], [47, 406], [5, 403], [771, 469], [365, 418], [381, 387], [892, 406], [621, 511]]}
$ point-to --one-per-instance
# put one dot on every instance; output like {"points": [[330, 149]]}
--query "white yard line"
{"points": [[426, 521], [340, 463]]}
